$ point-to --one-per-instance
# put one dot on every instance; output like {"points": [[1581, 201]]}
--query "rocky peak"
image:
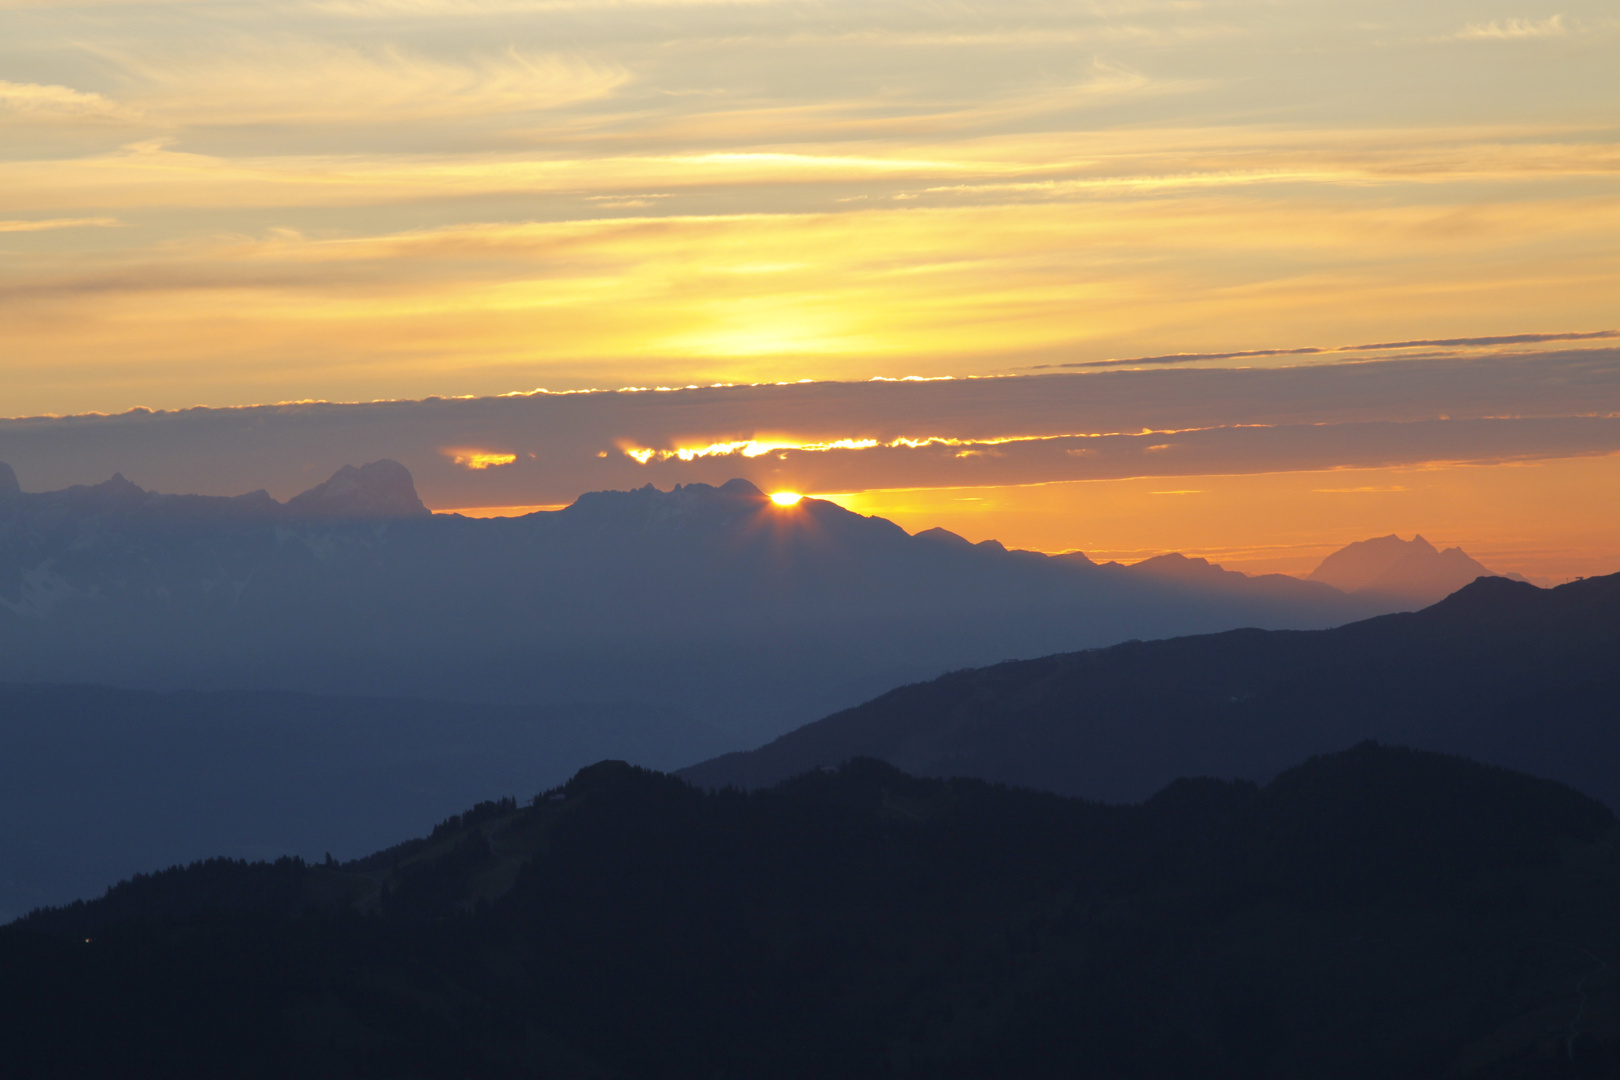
{"points": [[382, 489]]}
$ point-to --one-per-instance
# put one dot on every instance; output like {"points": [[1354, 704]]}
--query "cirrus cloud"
{"points": [[316, 82], [1513, 29]]}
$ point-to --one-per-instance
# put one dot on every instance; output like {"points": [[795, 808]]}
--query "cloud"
{"points": [[305, 81], [856, 436], [1188, 358], [48, 224], [1512, 29], [478, 460], [1365, 489], [1506, 339], [460, 197], [49, 104]]}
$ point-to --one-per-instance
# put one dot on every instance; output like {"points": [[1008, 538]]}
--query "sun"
{"points": [[785, 498]]}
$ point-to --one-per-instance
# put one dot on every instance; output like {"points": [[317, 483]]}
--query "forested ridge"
{"points": [[1378, 912]]}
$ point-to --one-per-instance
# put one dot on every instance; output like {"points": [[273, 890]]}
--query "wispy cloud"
{"points": [[316, 82], [1183, 358], [1421, 343], [47, 224], [1512, 29], [391, 198], [1503, 339], [44, 103]]}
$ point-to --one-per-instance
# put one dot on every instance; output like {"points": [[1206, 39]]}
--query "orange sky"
{"points": [[1553, 519]]}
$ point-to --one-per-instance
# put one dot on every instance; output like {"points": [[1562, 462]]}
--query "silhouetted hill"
{"points": [[97, 783], [711, 601], [1500, 671], [1376, 912]]}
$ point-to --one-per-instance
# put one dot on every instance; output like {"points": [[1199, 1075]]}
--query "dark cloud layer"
{"points": [[1164, 422], [1471, 342]]}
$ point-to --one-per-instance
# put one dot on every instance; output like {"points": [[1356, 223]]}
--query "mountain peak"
{"points": [[1410, 569], [114, 494], [944, 538], [1488, 596], [382, 489], [1357, 565], [8, 481], [739, 486]]}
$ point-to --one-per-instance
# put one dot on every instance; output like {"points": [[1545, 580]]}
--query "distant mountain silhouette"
{"points": [[710, 601], [383, 489], [1411, 570], [1500, 671], [1374, 913], [1206, 576]]}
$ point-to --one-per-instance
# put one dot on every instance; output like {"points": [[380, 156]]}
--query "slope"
{"points": [[1500, 671], [1377, 912]]}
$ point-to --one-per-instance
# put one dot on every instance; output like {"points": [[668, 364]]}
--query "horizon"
{"points": [[1511, 454], [786, 500]]}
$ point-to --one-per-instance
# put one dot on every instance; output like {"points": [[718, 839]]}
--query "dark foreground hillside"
{"points": [[1500, 671], [1375, 913]]}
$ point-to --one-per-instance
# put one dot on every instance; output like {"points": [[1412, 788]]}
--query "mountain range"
{"points": [[1501, 671], [711, 601], [326, 673], [1376, 912]]}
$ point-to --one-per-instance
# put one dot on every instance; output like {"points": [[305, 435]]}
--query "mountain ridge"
{"points": [[860, 922], [1500, 671], [699, 598]]}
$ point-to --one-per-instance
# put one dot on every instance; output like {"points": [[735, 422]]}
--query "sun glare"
{"points": [[785, 498]]}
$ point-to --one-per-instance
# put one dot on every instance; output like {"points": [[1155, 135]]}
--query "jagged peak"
{"points": [[1388, 562], [681, 495], [118, 484]]}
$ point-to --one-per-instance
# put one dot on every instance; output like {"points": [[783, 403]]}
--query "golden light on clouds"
{"points": [[478, 460], [377, 199]]}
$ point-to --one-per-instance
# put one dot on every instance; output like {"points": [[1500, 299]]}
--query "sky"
{"points": [[1073, 212]]}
